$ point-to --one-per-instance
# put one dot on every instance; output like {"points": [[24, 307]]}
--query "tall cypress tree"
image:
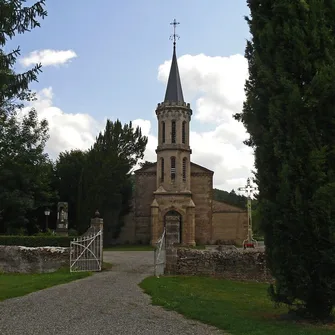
{"points": [[290, 115]]}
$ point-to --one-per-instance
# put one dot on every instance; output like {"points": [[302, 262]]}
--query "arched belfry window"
{"points": [[173, 132], [183, 132], [184, 168], [173, 168], [163, 132], [162, 169]]}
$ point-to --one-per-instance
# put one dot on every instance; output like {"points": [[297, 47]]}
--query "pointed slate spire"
{"points": [[174, 91]]}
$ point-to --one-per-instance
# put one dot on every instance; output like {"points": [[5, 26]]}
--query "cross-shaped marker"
{"points": [[174, 36], [248, 189]]}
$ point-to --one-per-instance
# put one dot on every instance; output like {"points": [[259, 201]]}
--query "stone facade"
{"points": [[247, 265], [229, 224], [215, 222]]}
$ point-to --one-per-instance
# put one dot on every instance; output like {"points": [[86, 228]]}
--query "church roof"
{"points": [[147, 168], [174, 91], [200, 167]]}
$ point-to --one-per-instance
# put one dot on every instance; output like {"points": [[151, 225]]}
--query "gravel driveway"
{"points": [[106, 303]]}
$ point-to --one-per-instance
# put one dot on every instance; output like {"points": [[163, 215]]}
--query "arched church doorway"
{"points": [[173, 227]]}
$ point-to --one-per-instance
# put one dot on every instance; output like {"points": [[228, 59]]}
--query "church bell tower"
{"points": [[173, 209], [173, 150]]}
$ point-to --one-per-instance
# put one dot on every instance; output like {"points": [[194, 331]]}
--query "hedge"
{"points": [[36, 241]]}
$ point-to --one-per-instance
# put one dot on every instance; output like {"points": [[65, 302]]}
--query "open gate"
{"points": [[86, 252]]}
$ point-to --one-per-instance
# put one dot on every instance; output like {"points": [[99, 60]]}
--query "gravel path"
{"points": [[106, 303]]}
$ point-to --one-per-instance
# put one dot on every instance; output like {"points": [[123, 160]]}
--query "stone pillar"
{"points": [[97, 223], [189, 229], [172, 224], [171, 260], [155, 231]]}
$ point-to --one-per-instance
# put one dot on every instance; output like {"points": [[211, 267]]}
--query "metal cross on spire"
{"points": [[174, 37]]}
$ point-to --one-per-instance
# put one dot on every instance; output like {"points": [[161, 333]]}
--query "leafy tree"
{"points": [[106, 179], [290, 116], [25, 170], [230, 198]]}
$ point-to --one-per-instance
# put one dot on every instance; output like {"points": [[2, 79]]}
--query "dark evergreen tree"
{"points": [[15, 18], [290, 116], [106, 182], [69, 169]]}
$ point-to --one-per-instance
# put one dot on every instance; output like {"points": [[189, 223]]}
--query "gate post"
{"points": [[97, 223], [172, 226]]}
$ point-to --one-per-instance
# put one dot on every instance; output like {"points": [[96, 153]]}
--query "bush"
{"points": [[49, 232], [73, 232], [36, 241]]}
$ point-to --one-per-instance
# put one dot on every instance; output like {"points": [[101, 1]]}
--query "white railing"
{"points": [[159, 254], [86, 253]]}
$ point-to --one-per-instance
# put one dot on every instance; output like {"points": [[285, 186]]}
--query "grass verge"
{"points": [[16, 285], [239, 308]]}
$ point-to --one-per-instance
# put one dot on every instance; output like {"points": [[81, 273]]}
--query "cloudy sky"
{"points": [[111, 59]]}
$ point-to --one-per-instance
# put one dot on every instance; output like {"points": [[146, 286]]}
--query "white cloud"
{"points": [[217, 86], [48, 57], [67, 131]]}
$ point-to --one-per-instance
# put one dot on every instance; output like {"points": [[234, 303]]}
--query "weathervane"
{"points": [[249, 242], [174, 37]]}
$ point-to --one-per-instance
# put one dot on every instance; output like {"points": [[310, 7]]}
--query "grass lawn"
{"points": [[16, 285], [239, 308]]}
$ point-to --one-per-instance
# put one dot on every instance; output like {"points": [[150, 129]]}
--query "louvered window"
{"points": [[162, 169], [163, 132], [184, 168], [183, 132], [173, 168], [173, 132]]}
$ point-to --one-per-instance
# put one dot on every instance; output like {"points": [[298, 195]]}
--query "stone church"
{"points": [[176, 190]]}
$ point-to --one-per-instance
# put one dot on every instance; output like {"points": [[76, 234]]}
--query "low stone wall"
{"points": [[245, 265], [17, 259]]}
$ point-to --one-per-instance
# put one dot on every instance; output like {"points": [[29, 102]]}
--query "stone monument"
{"points": [[62, 218]]}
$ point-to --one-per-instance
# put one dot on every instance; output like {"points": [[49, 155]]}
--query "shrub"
{"points": [[73, 232]]}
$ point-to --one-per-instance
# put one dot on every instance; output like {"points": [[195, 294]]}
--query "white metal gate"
{"points": [[86, 253], [160, 256]]}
